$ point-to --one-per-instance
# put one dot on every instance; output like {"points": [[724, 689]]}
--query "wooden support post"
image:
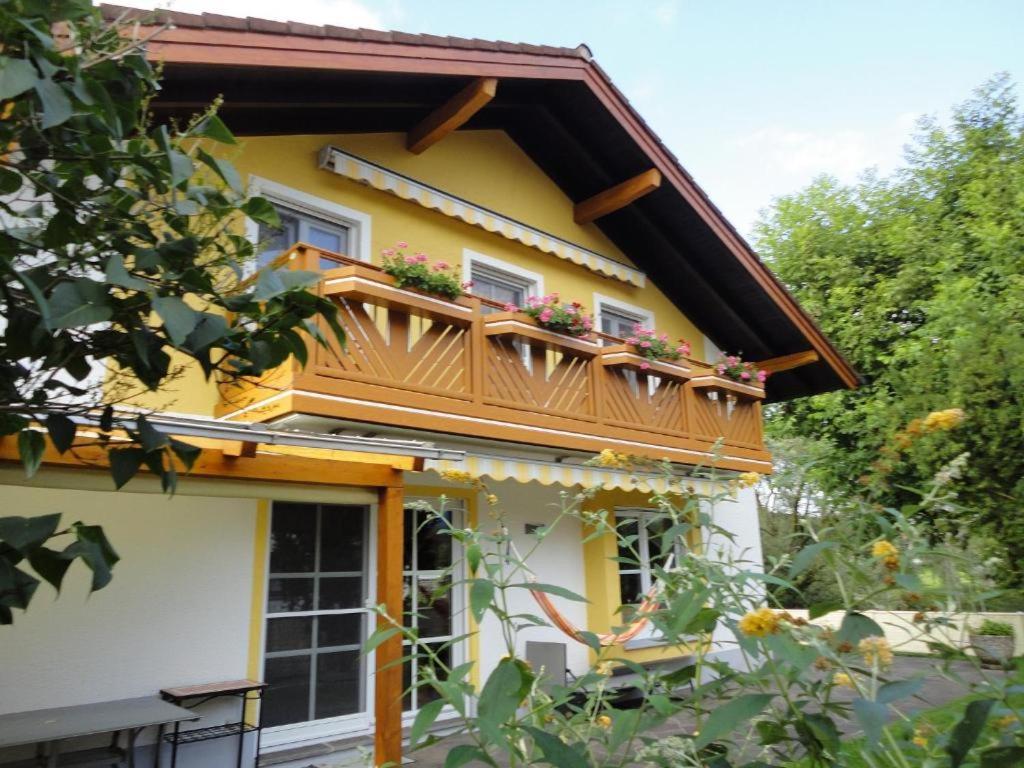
{"points": [[788, 362], [616, 197], [452, 114], [388, 679]]}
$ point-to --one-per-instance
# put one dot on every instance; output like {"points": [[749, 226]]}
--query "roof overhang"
{"points": [[556, 103]]}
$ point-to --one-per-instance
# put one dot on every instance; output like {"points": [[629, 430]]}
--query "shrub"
{"points": [[415, 271], [568, 318], [737, 370], [656, 346], [994, 629]]}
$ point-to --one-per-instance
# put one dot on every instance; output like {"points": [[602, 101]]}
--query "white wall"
{"points": [[176, 612]]}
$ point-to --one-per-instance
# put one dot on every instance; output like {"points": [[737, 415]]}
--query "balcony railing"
{"points": [[464, 367]]}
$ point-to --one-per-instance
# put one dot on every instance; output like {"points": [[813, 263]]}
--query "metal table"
{"points": [[48, 727]]}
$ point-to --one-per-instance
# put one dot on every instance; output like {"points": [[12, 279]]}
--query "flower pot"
{"points": [[993, 649]]}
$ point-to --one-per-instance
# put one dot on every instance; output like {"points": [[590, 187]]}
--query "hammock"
{"points": [[647, 607]]}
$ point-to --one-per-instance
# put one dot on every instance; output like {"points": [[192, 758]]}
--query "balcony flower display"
{"points": [[738, 370], [554, 315], [416, 271], [656, 346]]}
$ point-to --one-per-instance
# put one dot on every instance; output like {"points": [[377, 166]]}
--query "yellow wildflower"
{"points": [[610, 458], [883, 549], [7, 110], [843, 679], [457, 476], [943, 421], [605, 668], [760, 623], [492, 499], [1005, 722], [748, 479], [875, 650], [920, 739], [604, 721]]}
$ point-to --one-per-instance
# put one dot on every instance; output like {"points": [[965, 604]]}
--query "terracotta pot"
{"points": [[993, 649]]}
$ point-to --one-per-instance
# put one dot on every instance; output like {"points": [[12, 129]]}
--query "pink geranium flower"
{"points": [[546, 315], [745, 375], [421, 257], [633, 340], [510, 307], [645, 344], [401, 244], [440, 265], [411, 260], [762, 375], [644, 366], [388, 252]]}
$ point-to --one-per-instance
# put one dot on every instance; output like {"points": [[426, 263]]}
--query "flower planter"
{"points": [[626, 356], [993, 649], [713, 382], [370, 286], [523, 326]]}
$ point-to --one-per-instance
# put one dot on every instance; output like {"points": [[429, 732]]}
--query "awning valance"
{"points": [[376, 176], [551, 473]]}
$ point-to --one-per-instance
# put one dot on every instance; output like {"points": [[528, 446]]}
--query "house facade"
{"points": [[528, 169]]}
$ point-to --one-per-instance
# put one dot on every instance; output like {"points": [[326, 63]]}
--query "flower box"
{"points": [[625, 356], [523, 326], [370, 286], [715, 383]]}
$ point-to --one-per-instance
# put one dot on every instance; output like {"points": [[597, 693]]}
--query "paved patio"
{"points": [[936, 690]]}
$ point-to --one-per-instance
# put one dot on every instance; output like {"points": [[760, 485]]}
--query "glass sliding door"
{"points": [[316, 619]]}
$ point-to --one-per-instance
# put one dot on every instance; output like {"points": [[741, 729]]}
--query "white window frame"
{"points": [[311, 731], [643, 316], [470, 257], [358, 223]]}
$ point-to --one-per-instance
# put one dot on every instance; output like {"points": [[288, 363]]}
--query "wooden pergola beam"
{"points": [[788, 362], [452, 114], [617, 197]]}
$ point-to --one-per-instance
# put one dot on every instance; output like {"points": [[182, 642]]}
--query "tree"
{"points": [[919, 279], [122, 253]]}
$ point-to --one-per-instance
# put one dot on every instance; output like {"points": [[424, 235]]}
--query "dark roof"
{"points": [[556, 103]]}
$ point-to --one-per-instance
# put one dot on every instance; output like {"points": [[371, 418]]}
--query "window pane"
{"points": [[627, 528], [291, 634], [341, 592], [293, 538], [346, 629], [272, 242], [426, 693], [435, 609], [328, 238], [408, 619], [655, 530], [338, 684], [408, 531], [341, 538], [287, 697], [632, 591], [616, 324], [290, 595], [434, 542]]}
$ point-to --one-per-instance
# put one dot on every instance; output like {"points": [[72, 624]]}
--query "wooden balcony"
{"points": [[463, 367]]}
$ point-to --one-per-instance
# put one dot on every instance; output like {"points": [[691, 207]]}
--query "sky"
{"points": [[755, 97]]}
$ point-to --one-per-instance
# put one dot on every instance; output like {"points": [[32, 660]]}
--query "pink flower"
{"points": [[633, 340], [732, 360], [510, 307], [533, 301], [637, 328], [440, 265], [644, 366], [745, 375], [663, 337], [570, 310], [588, 323], [645, 344], [467, 285], [720, 369], [401, 244], [546, 315], [762, 375], [683, 349], [411, 259], [388, 252], [420, 258]]}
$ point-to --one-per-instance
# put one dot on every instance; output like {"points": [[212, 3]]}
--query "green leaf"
{"points": [[806, 556], [424, 719], [181, 167], [210, 329], [51, 565], [79, 302], [461, 754], [817, 610], [261, 211], [28, 533], [56, 104], [551, 589], [678, 677], [769, 732], [967, 731], [473, 557], [11, 424], [124, 464], [16, 77], [10, 181], [555, 751], [378, 638], [898, 689], [179, 318], [150, 437], [31, 445], [212, 127], [855, 627], [481, 592], [62, 431], [187, 454], [95, 551], [1002, 757], [117, 274], [732, 715], [499, 699], [872, 716], [222, 168], [16, 586]]}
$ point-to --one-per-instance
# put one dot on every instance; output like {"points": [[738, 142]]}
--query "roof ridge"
{"points": [[208, 20]]}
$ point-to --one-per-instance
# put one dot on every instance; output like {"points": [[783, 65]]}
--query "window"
{"points": [[499, 280], [644, 554], [426, 570], [617, 318], [299, 227], [316, 615]]}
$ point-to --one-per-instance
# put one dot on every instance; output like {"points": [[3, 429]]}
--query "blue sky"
{"points": [[756, 97]]}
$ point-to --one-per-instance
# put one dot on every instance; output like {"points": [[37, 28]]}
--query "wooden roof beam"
{"points": [[452, 114], [617, 197], [788, 362]]}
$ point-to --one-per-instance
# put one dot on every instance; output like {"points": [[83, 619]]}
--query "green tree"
{"points": [[919, 279], [121, 254]]}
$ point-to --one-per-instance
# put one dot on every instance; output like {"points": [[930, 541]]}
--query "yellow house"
{"points": [[528, 169]]}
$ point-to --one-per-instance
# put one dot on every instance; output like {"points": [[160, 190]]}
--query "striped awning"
{"points": [[376, 176], [551, 473]]}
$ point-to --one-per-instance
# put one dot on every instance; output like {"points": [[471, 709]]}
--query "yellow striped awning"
{"points": [[372, 175], [551, 473]]}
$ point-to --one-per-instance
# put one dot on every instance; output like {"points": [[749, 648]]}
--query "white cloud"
{"points": [[342, 13]]}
